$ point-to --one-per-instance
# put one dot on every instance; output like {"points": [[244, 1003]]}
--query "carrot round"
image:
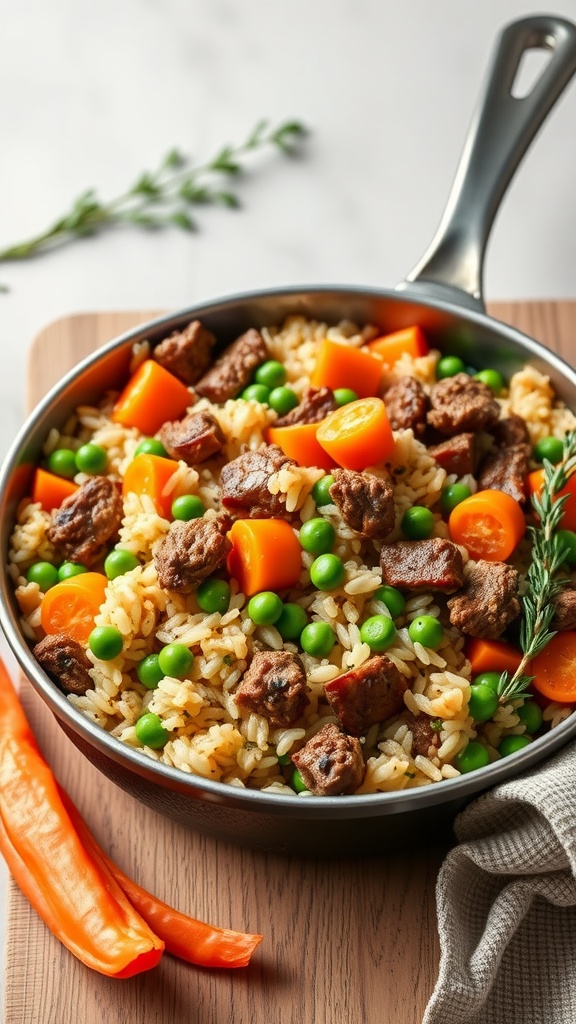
{"points": [[492, 656], [358, 434], [149, 474], [554, 669], [299, 442], [390, 347], [489, 524], [535, 482], [51, 490], [343, 366], [265, 555], [151, 397], [71, 606]]}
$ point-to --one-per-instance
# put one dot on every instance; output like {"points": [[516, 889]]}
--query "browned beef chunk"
{"points": [[461, 404], [195, 438], [510, 430], [244, 483], [331, 763], [456, 455], [425, 741], [406, 404], [233, 370], [488, 602], [188, 353], [366, 502], [564, 610], [434, 564], [192, 551], [87, 521], [506, 470], [275, 687], [66, 662], [315, 406], [366, 695]]}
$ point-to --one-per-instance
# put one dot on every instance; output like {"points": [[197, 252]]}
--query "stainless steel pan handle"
{"points": [[502, 129]]}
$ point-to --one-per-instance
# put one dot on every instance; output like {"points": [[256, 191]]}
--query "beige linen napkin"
{"points": [[506, 899]]}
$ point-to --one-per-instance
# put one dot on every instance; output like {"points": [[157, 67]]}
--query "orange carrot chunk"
{"points": [[489, 524], [51, 490], [554, 669], [266, 555], [390, 347], [299, 442], [149, 474], [492, 656], [358, 434], [343, 366], [151, 397], [71, 606], [535, 483]]}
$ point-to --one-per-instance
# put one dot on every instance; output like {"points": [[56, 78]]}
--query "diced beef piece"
{"points": [[233, 370], [66, 662], [406, 404], [86, 521], [315, 406], [194, 439], [188, 353], [506, 470], [488, 602], [366, 695], [434, 564], [564, 610], [275, 687], [456, 455], [510, 430], [331, 763], [425, 741], [191, 551], [366, 503], [244, 483], [461, 404]]}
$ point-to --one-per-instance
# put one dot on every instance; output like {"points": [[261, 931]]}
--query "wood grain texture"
{"points": [[344, 941]]}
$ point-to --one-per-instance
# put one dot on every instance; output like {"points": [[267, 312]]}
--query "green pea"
{"points": [[106, 642], [151, 446], [91, 458], [343, 396], [449, 366], [392, 598], [119, 562], [317, 536], [188, 506], [567, 540], [417, 522], [151, 732], [271, 373], [265, 608], [298, 782], [492, 378], [44, 574], [175, 660], [378, 632], [327, 572], [63, 462], [530, 714], [256, 393], [473, 756], [483, 702], [321, 490], [452, 496], [510, 744], [69, 569], [291, 622], [282, 400], [491, 679], [551, 448], [149, 672], [426, 630], [213, 596], [284, 759], [317, 639]]}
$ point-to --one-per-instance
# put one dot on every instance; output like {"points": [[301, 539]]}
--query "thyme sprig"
{"points": [[543, 585], [162, 197]]}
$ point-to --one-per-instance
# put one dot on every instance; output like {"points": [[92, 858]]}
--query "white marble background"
{"points": [[93, 92]]}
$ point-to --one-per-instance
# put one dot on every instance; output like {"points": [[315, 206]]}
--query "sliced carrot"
{"points": [[554, 669], [51, 490], [489, 524], [149, 474], [357, 435], [535, 482], [390, 347], [151, 397], [71, 606], [299, 442], [492, 656], [266, 555], [343, 366]]}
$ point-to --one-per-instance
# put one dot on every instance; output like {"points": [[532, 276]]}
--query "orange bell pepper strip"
{"points": [[342, 366], [299, 442], [492, 656], [358, 434], [390, 347], [51, 490], [490, 524], [71, 606], [149, 474], [152, 396], [535, 481], [265, 555]]}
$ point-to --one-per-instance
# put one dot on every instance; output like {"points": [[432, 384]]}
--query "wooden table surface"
{"points": [[345, 942]]}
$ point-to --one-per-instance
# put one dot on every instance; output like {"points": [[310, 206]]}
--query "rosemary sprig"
{"points": [[543, 586], [162, 197]]}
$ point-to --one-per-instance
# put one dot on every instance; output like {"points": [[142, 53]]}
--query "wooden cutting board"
{"points": [[345, 942]]}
